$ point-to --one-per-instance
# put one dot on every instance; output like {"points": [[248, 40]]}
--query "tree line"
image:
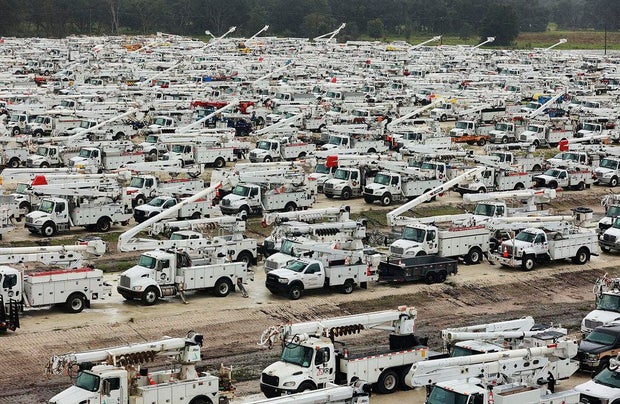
{"points": [[306, 18]]}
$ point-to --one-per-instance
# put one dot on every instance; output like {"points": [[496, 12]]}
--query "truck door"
{"points": [[540, 244], [314, 277], [60, 213], [10, 287], [323, 367], [395, 185], [563, 179], [163, 271], [111, 390], [431, 242]]}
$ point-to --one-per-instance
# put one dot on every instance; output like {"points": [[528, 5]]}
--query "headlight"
{"points": [[137, 288], [608, 175], [282, 280], [289, 384]]}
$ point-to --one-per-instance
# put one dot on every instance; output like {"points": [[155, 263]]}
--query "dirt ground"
{"points": [[560, 294]]}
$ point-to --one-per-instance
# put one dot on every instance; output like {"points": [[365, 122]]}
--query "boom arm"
{"points": [[65, 255], [341, 214], [392, 215]]}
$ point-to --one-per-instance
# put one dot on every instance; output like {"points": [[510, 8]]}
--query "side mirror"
{"points": [[105, 388]]}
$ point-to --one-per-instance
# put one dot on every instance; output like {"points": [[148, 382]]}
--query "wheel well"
{"points": [[200, 399], [296, 283], [72, 295]]}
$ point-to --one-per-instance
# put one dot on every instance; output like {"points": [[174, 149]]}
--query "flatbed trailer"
{"points": [[430, 268]]}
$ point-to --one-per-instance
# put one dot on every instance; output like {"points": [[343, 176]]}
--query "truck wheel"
{"points": [[153, 155], [219, 162], [75, 303], [481, 190], [536, 143], [45, 164], [150, 296], [474, 256], [430, 278], [222, 287], [528, 263], [26, 207], [553, 185], [402, 385], [140, 200], [442, 276], [443, 118], [195, 215], [346, 194], [329, 196], [246, 257], [605, 249], [386, 199], [368, 200], [16, 131], [295, 292], [305, 386], [201, 400], [388, 382], [290, 207], [301, 155], [583, 255], [613, 182], [482, 142], [347, 288], [104, 225], [372, 150], [505, 140], [48, 229], [268, 159], [519, 187], [581, 186], [38, 133], [536, 167], [244, 212], [470, 142], [13, 163]]}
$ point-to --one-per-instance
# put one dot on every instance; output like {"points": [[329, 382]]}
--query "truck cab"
{"points": [[534, 134], [564, 158], [52, 216], [154, 207], [610, 238], [153, 146], [88, 157], [298, 275], [266, 151], [46, 156], [244, 199], [603, 388], [552, 178], [611, 213], [608, 171], [463, 128], [17, 123], [415, 240], [100, 381], [607, 311], [182, 152], [599, 347]]}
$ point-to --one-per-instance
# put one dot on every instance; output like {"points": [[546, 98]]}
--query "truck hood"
{"points": [[606, 221], [602, 316], [456, 131], [601, 171], [329, 146], [497, 132], [592, 347], [376, 187], [318, 177], [137, 271], [278, 259], [77, 160], [597, 390], [258, 152], [405, 245], [284, 370], [544, 177], [528, 133], [335, 182], [234, 199], [286, 274], [74, 395], [148, 208], [37, 215], [556, 162]]}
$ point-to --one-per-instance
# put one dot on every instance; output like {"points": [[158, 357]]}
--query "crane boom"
{"points": [[64, 255], [341, 213], [427, 196]]}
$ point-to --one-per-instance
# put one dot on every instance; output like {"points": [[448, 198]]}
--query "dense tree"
{"points": [[500, 22]]}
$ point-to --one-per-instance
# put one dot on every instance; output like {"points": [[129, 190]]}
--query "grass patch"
{"points": [[116, 266]]}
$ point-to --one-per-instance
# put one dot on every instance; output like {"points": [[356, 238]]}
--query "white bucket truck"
{"points": [[607, 294], [98, 159], [277, 149]]}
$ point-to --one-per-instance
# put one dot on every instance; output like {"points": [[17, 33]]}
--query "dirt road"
{"points": [[559, 293]]}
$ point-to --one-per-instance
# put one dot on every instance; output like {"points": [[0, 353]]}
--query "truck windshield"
{"points": [[612, 211], [42, 151], [297, 354], [21, 188], [84, 153], [553, 173], [608, 378], [46, 206], [160, 122], [608, 303], [137, 182], [87, 381], [534, 128], [428, 166], [178, 148], [567, 156], [321, 169], [607, 163], [296, 266], [157, 202], [264, 145], [589, 127], [287, 247], [462, 351], [461, 125], [151, 139], [335, 140], [526, 236], [147, 262], [241, 190], [485, 209], [382, 179], [500, 156], [86, 124], [602, 338], [616, 224], [414, 234], [501, 127], [39, 119], [341, 174], [440, 396]]}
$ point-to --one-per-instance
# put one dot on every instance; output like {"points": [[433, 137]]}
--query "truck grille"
{"points": [[272, 280], [138, 214], [225, 202], [397, 250], [523, 138], [591, 324], [253, 155], [609, 237], [328, 186], [28, 219], [368, 191], [271, 265], [270, 380], [125, 281], [586, 399]]}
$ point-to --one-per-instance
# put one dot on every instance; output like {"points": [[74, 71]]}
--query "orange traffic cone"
{"points": [[491, 399], [505, 254], [150, 380]]}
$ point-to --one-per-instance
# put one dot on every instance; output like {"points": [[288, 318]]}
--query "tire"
{"points": [[245, 256], [104, 225], [482, 142], [45, 164], [290, 207], [268, 159], [583, 255], [153, 155], [38, 133], [442, 276], [301, 155], [553, 185], [504, 140], [16, 131], [48, 229], [329, 196], [388, 382], [223, 287], [386, 199], [430, 278], [528, 263], [481, 190], [200, 400], [305, 386], [369, 200], [474, 256], [402, 385], [348, 286], [471, 143], [244, 211], [26, 207], [372, 150], [346, 194], [613, 182], [581, 186], [536, 143], [195, 215], [605, 249], [519, 186], [140, 200], [295, 292], [13, 163], [219, 162], [536, 167], [602, 365], [443, 118], [150, 296], [75, 303]]}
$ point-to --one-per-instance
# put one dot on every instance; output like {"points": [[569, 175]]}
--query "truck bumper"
{"points": [[33, 227], [505, 261], [270, 391], [277, 288], [370, 197], [128, 293], [462, 191], [589, 365], [228, 210], [608, 244]]}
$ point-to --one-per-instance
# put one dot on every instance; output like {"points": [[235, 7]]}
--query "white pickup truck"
{"points": [[305, 274]]}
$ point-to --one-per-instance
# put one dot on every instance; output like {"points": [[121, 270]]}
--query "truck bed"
{"points": [[54, 287], [415, 268]]}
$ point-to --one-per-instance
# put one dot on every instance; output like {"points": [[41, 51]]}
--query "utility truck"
{"points": [[278, 149], [545, 134], [354, 143], [506, 132], [604, 387], [521, 376], [533, 246], [497, 177], [206, 153], [430, 268], [608, 171], [195, 210], [577, 178], [119, 375], [71, 285], [310, 359], [98, 159], [52, 156], [46, 125], [611, 203], [607, 297], [143, 188], [349, 181], [301, 274], [13, 157], [470, 132]]}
